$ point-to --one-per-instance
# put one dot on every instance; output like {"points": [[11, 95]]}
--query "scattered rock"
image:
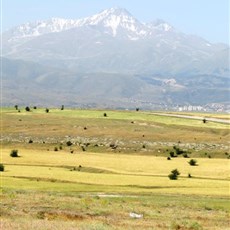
{"points": [[135, 215]]}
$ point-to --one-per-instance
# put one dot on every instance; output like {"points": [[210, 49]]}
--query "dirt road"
{"points": [[225, 121]]}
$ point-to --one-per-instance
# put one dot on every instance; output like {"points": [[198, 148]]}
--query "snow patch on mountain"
{"points": [[160, 25], [43, 27]]}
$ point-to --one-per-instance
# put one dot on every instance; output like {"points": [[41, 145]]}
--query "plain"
{"points": [[91, 169]]}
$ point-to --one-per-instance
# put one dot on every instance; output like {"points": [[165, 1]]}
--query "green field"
{"points": [[114, 165]]}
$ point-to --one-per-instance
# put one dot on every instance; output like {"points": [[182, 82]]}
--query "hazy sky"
{"points": [[206, 18]]}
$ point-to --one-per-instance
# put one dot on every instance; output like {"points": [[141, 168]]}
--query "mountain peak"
{"points": [[109, 14], [118, 19], [117, 11]]}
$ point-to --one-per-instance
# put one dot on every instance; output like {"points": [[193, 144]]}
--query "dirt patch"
{"points": [[66, 216]]}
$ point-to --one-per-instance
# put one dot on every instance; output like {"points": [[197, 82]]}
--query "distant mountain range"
{"points": [[111, 59]]}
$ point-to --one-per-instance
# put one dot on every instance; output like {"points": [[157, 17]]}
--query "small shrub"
{"points": [[62, 107], [172, 154], [14, 153], [47, 110], [178, 150], [168, 158], [189, 175], [83, 148], [192, 162], [174, 174], [105, 114], [113, 146], [30, 141], [35, 107], [27, 108], [69, 143], [55, 149], [1, 167]]}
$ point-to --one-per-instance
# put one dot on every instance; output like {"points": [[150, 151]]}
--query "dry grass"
{"points": [[63, 211], [48, 190]]}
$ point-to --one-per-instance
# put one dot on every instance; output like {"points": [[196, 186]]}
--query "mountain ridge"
{"points": [[110, 18]]}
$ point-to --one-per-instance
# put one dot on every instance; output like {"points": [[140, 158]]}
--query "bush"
{"points": [[192, 162], [178, 150], [83, 148], [174, 174], [55, 149], [1, 167], [105, 114], [27, 108], [14, 153], [69, 143]]}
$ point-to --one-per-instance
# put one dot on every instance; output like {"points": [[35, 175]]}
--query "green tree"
{"points": [[14, 153], [192, 162], [174, 174], [1, 168], [27, 108]]}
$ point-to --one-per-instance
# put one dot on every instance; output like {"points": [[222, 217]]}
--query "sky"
{"points": [[208, 19]]}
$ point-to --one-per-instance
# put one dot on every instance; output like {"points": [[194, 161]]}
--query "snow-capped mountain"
{"points": [[117, 53], [113, 20]]}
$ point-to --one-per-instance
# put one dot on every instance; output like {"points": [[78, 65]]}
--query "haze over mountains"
{"points": [[111, 59]]}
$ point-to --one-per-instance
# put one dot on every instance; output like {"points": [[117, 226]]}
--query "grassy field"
{"points": [[112, 167]]}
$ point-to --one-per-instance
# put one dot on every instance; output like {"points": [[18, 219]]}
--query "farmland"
{"points": [[89, 169]]}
